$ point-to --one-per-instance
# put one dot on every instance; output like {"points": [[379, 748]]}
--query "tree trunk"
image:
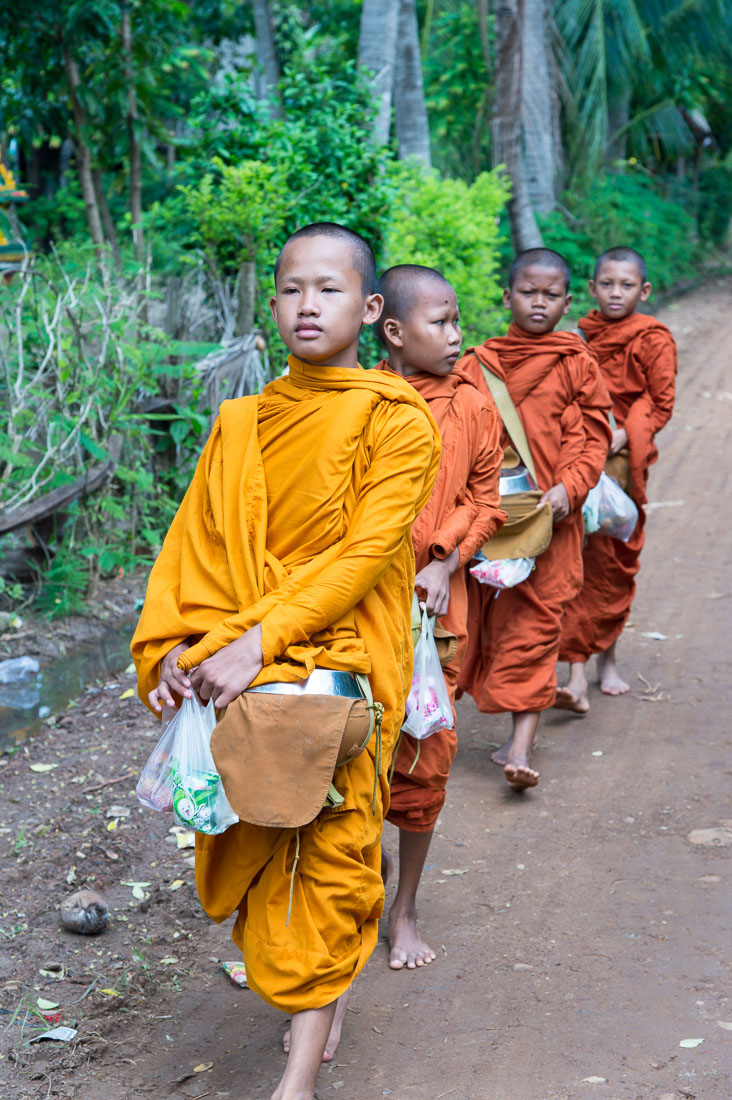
{"points": [[506, 125], [107, 222], [83, 155], [618, 116], [267, 55], [133, 139], [377, 44], [246, 298], [410, 110], [536, 107]]}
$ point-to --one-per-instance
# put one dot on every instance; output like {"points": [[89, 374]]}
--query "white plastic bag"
{"points": [[503, 572], [181, 775], [428, 703], [609, 510]]}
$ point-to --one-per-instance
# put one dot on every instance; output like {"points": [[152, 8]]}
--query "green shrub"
{"points": [[453, 226], [78, 367], [715, 204]]}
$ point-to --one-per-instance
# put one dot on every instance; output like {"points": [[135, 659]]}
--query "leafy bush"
{"points": [[715, 204], [453, 226], [80, 375]]}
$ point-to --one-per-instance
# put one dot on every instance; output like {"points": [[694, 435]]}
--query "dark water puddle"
{"points": [[25, 705]]}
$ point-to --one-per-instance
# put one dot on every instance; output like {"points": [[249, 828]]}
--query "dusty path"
{"points": [[579, 933]]}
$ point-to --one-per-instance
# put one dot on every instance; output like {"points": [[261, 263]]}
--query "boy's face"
{"points": [[319, 305], [618, 289], [538, 298], [429, 337]]}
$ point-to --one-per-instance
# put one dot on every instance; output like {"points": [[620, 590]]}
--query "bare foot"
{"points": [[500, 756], [611, 683], [567, 700], [387, 864], [408, 949], [520, 776], [334, 1036]]}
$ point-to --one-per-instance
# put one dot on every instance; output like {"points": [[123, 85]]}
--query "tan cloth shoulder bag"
{"points": [[528, 530], [277, 753]]}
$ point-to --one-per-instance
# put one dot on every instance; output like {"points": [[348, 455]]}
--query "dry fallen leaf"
{"points": [[128, 694], [43, 767], [110, 992], [46, 1006], [595, 1080], [177, 884], [455, 871], [690, 1044], [725, 1024], [202, 1067]]}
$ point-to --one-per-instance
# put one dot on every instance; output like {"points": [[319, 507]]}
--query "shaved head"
{"points": [[363, 256], [623, 254], [539, 257], [399, 287]]}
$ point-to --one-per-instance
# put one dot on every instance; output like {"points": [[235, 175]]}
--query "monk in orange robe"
{"points": [[562, 401], [637, 356], [292, 550], [419, 327]]}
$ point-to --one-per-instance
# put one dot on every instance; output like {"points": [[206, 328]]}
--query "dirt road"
{"points": [[581, 935]]}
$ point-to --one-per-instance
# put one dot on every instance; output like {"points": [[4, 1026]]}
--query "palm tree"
{"points": [[388, 49], [622, 61]]}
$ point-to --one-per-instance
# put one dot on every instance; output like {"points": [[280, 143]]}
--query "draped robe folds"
{"points": [[298, 517], [638, 361], [462, 512], [562, 401]]}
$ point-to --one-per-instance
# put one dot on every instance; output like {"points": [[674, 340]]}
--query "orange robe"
{"points": [[298, 518], [463, 511], [513, 635], [638, 362]]}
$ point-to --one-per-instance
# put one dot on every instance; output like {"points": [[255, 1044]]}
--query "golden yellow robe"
{"points": [[298, 517]]}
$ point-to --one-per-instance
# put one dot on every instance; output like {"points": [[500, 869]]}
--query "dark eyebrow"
{"points": [[322, 280]]}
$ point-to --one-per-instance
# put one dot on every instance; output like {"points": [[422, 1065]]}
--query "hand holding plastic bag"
{"points": [[503, 572], [428, 703], [609, 510], [181, 776]]}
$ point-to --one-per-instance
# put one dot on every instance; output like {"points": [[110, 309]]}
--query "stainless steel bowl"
{"points": [[515, 480], [322, 681]]}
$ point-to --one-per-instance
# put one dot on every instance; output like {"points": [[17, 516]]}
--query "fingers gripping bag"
{"points": [[428, 703], [181, 775], [609, 511]]}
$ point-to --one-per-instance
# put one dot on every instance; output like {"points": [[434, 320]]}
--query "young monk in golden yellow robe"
{"points": [[420, 329], [292, 550]]}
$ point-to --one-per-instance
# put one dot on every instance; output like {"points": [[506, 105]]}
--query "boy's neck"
{"points": [[395, 359], [349, 362], [617, 320]]}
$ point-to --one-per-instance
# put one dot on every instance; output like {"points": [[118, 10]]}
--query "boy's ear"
{"points": [[591, 286], [393, 332], [273, 308], [372, 307], [507, 298], [567, 303], [645, 292]]}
